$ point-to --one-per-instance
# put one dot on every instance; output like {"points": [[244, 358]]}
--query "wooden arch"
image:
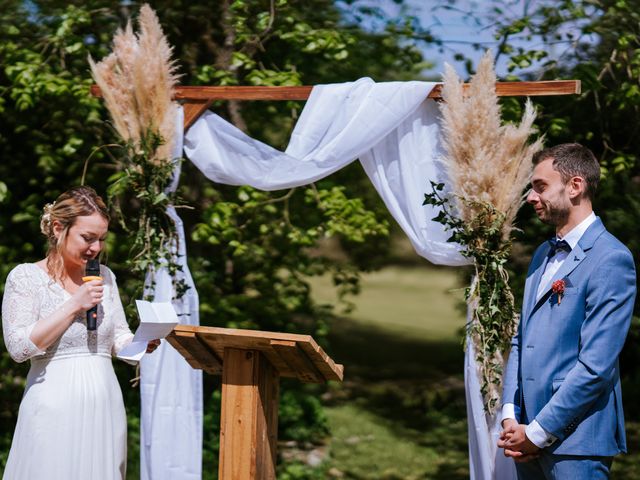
{"points": [[252, 362], [196, 100]]}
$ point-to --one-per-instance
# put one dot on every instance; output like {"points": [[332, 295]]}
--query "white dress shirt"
{"points": [[538, 435]]}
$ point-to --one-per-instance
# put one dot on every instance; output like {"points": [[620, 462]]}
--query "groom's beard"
{"points": [[556, 215]]}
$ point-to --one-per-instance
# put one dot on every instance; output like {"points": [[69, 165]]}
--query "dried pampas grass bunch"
{"points": [[489, 166], [488, 162], [137, 81]]}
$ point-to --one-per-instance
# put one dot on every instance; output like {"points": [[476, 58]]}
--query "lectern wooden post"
{"points": [[251, 363]]}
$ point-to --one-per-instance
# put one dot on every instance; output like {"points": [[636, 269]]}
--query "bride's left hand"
{"points": [[152, 345]]}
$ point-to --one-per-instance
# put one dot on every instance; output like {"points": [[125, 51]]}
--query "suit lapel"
{"points": [[575, 258], [535, 282]]}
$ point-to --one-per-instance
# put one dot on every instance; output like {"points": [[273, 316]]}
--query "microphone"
{"points": [[92, 272]]}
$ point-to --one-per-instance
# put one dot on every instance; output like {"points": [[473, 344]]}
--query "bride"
{"points": [[72, 422]]}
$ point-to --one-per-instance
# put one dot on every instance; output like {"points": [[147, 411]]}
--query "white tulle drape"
{"points": [[390, 127], [170, 390], [394, 132], [486, 460]]}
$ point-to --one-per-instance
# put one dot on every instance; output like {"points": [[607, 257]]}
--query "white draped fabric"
{"points": [[486, 460], [389, 126], [170, 390], [394, 132]]}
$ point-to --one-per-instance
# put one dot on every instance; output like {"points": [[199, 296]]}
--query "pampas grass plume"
{"points": [[138, 81], [487, 161]]}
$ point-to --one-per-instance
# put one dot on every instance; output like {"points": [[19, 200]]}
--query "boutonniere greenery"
{"points": [[558, 288]]}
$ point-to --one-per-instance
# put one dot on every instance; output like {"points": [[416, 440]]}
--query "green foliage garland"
{"points": [[155, 239], [493, 314]]}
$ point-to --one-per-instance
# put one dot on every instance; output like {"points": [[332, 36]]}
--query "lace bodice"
{"points": [[30, 295]]}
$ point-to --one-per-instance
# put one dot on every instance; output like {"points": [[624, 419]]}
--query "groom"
{"points": [[562, 403]]}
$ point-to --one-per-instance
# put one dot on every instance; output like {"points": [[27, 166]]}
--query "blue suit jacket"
{"points": [[563, 367]]}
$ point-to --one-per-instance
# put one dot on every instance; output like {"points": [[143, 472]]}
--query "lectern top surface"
{"points": [[291, 354]]}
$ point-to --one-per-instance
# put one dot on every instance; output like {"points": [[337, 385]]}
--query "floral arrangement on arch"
{"points": [[137, 81], [489, 166]]}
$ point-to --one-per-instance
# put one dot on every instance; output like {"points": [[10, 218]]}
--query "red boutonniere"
{"points": [[558, 288]]}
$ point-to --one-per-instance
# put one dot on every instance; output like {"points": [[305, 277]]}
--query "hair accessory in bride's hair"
{"points": [[45, 222]]}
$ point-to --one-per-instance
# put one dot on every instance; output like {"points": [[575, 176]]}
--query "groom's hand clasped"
{"points": [[515, 443]]}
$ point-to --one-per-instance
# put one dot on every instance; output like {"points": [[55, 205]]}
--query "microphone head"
{"points": [[93, 267]]}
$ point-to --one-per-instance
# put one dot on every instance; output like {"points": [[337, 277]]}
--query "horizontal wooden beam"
{"points": [[526, 89], [503, 89]]}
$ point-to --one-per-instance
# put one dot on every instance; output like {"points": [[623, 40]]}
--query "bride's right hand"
{"points": [[88, 295]]}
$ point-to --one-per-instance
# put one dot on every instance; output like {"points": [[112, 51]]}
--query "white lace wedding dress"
{"points": [[72, 423]]}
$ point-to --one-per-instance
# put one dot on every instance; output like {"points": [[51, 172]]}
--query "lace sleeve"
{"points": [[122, 335], [20, 311]]}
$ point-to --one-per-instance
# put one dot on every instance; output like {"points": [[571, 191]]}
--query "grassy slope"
{"points": [[404, 301], [400, 413]]}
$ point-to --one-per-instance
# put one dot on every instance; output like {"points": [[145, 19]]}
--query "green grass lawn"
{"points": [[365, 444], [400, 413], [416, 302]]}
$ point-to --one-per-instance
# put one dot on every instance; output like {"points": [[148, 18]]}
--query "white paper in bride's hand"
{"points": [[157, 319]]}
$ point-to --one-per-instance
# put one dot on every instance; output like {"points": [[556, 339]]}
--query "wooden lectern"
{"points": [[251, 363]]}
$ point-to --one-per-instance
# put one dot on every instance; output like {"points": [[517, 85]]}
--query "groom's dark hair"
{"points": [[573, 160]]}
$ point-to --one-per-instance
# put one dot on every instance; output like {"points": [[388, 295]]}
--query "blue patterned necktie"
{"points": [[556, 245]]}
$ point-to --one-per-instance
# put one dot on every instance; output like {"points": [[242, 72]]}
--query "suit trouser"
{"points": [[565, 467]]}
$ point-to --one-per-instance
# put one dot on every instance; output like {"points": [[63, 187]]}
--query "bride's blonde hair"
{"points": [[74, 203]]}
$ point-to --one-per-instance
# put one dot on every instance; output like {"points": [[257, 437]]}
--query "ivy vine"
{"points": [[155, 242], [494, 319]]}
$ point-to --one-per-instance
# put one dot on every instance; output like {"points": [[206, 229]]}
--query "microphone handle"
{"points": [[92, 313], [92, 316]]}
